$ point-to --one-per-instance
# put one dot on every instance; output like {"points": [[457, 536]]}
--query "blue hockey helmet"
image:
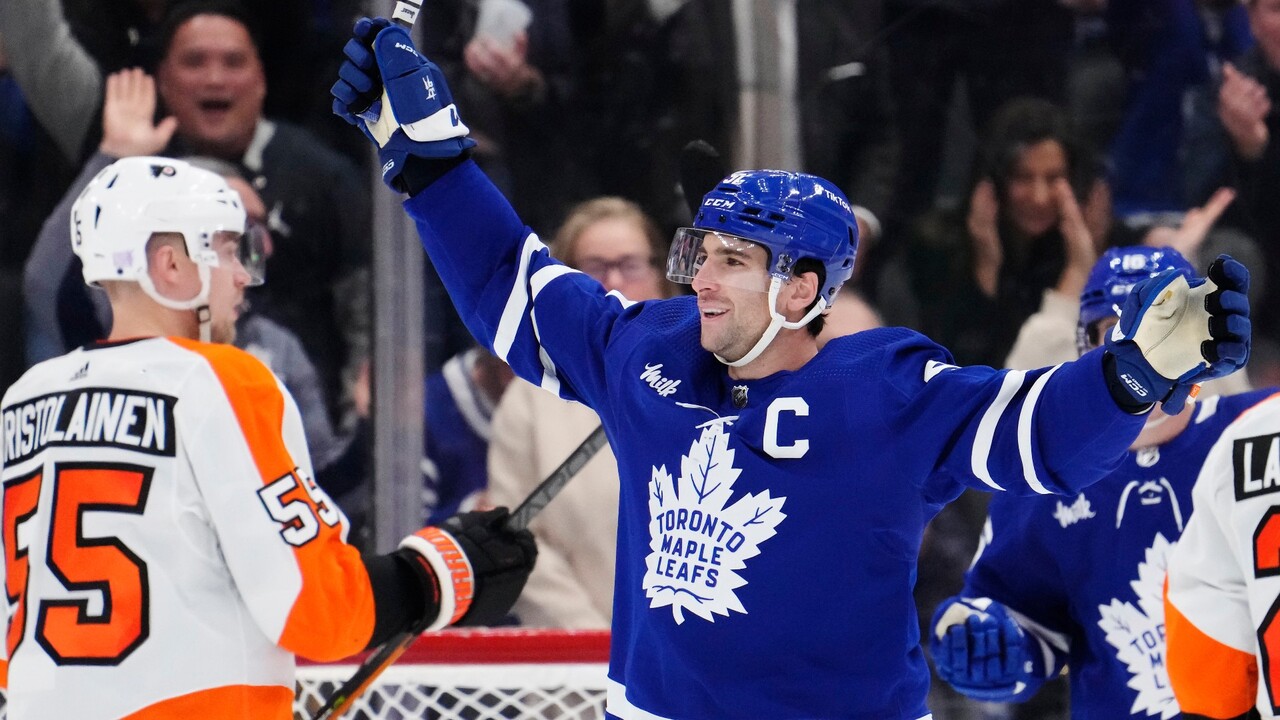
{"points": [[792, 215], [1114, 275]]}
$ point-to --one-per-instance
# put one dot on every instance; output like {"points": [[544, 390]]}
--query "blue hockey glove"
{"points": [[397, 98], [982, 652], [1173, 334]]}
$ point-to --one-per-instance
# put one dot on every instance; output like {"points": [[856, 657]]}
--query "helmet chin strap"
{"points": [[776, 323], [199, 303]]}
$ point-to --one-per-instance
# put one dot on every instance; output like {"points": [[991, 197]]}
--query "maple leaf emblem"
{"points": [[1137, 634], [698, 540]]}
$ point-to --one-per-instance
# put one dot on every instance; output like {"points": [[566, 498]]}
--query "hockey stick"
{"points": [[391, 650], [406, 13]]}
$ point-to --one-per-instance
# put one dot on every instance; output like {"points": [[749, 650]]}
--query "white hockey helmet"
{"points": [[133, 198]]}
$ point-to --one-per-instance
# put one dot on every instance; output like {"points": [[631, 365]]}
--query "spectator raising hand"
{"points": [[1189, 236], [1243, 105], [128, 116], [1077, 240], [984, 211], [504, 67]]}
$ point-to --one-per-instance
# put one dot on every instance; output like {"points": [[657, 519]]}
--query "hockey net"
{"points": [[474, 675]]}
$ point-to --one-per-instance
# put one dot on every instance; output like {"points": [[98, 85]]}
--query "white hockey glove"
{"points": [[1173, 334]]}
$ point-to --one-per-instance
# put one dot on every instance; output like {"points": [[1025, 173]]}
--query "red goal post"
{"points": [[479, 674]]}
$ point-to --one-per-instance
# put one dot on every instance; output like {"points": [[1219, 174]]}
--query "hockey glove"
{"points": [[1173, 334], [982, 652], [481, 566], [397, 98]]}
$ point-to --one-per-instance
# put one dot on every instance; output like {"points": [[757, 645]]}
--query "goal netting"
{"points": [[475, 675]]}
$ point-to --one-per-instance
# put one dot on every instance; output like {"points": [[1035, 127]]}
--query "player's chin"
{"points": [[223, 334]]}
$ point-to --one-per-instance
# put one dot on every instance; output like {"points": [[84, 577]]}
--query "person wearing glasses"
{"points": [[615, 242]]}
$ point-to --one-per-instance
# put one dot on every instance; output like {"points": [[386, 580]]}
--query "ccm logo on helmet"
{"points": [[718, 203]]}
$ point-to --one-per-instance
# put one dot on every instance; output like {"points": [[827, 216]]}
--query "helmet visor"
{"points": [[718, 258], [247, 251]]}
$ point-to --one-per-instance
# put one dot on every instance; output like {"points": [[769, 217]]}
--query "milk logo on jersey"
{"points": [[1257, 465], [699, 540], [653, 376], [1067, 515], [138, 421], [1137, 634]]}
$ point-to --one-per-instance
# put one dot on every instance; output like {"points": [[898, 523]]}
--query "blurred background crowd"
{"points": [[993, 147]]}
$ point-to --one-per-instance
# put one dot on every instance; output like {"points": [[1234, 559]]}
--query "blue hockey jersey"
{"points": [[1086, 573], [768, 529]]}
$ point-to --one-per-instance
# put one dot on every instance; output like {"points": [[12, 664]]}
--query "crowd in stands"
{"points": [[995, 148]]}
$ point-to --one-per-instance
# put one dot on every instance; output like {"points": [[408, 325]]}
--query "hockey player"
{"points": [[167, 551], [1222, 599], [1077, 581], [772, 496]]}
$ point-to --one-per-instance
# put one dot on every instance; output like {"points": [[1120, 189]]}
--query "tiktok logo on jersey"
{"points": [[1137, 634], [699, 541]]}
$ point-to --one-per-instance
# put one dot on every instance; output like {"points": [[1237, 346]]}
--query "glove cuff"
{"points": [[451, 567], [419, 172], [1121, 391]]}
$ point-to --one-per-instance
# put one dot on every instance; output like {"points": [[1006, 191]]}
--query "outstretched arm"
{"points": [[526, 308], [61, 82]]}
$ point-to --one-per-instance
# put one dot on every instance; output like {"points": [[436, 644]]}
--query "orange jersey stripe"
{"points": [[1209, 679], [270, 702], [333, 616]]}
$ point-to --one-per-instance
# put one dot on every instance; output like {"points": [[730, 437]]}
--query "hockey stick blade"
{"points": [[701, 169], [392, 649]]}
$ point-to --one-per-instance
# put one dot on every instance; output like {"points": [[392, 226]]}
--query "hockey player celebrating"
{"points": [[166, 548], [1077, 581], [773, 495]]}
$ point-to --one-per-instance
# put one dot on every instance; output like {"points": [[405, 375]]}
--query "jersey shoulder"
{"points": [[900, 356], [1225, 409], [232, 366]]}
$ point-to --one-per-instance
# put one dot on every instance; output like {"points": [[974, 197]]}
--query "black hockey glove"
{"points": [[481, 566]]}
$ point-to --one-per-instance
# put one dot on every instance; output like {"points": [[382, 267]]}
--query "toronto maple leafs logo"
{"points": [[1137, 634], [699, 541]]}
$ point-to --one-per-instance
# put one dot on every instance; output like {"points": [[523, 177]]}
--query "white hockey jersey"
{"points": [[166, 549], [1223, 593]]}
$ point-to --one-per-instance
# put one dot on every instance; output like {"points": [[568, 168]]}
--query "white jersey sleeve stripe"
{"points": [[987, 426], [514, 311], [545, 275], [1024, 432], [539, 281], [622, 299]]}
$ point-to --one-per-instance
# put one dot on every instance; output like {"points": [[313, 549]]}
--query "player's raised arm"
{"points": [[499, 274]]}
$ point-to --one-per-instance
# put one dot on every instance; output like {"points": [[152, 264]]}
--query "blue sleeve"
{"points": [[503, 280], [1047, 431], [1015, 568], [1237, 37]]}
